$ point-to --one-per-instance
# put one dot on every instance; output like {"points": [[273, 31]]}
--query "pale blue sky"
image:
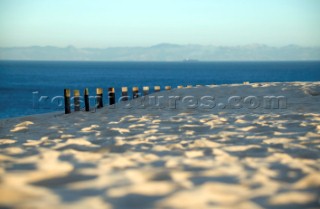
{"points": [[104, 23]]}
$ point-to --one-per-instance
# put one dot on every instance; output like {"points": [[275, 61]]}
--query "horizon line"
{"points": [[153, 61], [165, 43]]}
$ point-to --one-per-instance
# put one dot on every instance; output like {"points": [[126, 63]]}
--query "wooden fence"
{"points": [[111, 95], [99, 96]]}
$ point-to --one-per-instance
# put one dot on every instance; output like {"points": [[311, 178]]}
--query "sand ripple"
{"points": [[181, 158]]}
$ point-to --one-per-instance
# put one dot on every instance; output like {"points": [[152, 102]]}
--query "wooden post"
{"points": [[99, 97], [124, 94], [168, 88], [135, 92], [112, 96], [180, 87], [86, 99], [157, 88], [67, 108], [76, 100], [145, 90]]}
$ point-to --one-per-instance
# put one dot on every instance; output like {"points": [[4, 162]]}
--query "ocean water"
{"points": [[19, 80]]}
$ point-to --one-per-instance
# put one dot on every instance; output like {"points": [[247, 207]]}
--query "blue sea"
{"points": [[24, 82]]}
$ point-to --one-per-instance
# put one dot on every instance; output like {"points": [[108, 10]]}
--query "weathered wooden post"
{"points": [[157, 88], [124, 94], [86, 99], [67, 108], [99, 97], [135, 92], [145, 90], [76, 100], [180, 87], [112, 96], [167, 88]]}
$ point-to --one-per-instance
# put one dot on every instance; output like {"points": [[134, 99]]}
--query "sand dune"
{"points": [[170, 155]]}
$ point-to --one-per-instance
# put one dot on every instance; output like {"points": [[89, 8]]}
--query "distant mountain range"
{"points": [[164, 52]]}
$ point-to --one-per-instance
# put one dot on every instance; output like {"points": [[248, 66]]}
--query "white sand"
{"points": [[168, 158]]}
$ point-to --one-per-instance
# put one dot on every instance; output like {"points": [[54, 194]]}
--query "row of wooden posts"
{"points": [[99, 96], [111, 94]]}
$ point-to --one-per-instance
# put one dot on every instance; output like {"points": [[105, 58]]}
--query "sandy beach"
{"points": [[247, 155]]}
